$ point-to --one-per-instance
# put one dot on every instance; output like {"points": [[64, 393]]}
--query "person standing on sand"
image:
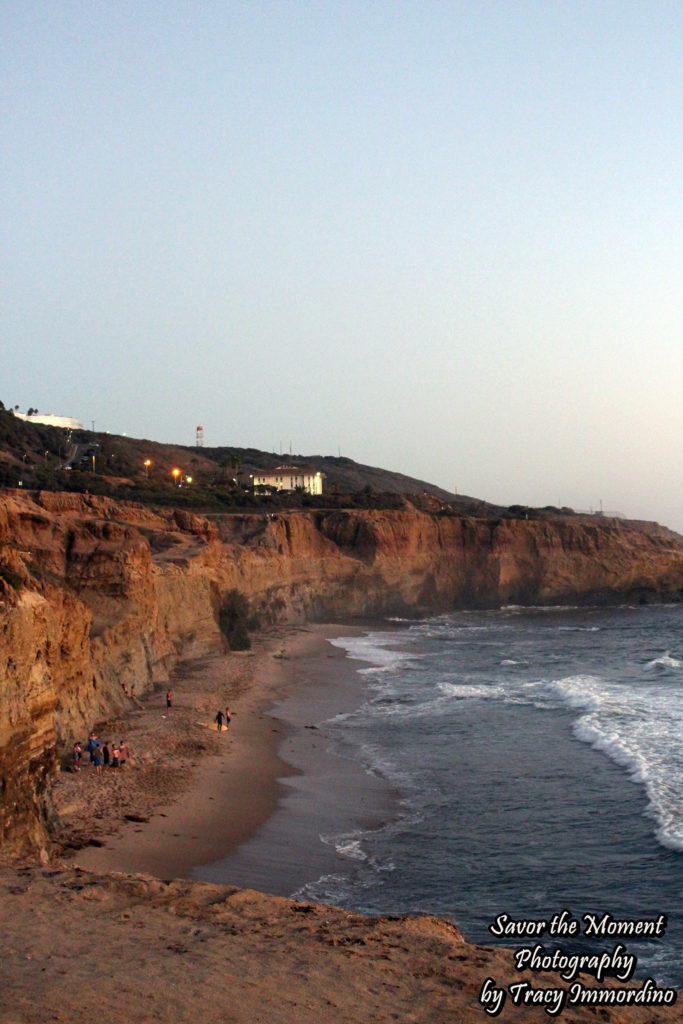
{"points": [[115, 756], [219, 721], [105, 754], [97, 760], [95, 746], [124, 753], [78, 754], [169, 699], [228, 718]]}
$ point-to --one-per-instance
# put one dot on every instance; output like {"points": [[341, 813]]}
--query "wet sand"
{"points": [[322, 794], [221, 800]]}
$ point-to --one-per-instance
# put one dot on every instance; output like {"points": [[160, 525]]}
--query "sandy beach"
{"points": [[117, 922], [201, 809]]}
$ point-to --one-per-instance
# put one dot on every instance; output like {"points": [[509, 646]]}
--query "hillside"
{"points": [[34, 456], [219, 480]]}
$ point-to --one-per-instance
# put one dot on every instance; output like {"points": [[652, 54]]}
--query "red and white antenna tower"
{"points": [[200, 437]]}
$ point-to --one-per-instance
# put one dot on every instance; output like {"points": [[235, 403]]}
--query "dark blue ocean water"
{"points": [[538, 755]]}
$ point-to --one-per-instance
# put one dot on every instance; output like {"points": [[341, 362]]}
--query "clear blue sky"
{"points": [[440, 237]]}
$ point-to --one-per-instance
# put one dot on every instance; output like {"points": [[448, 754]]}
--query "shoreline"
{"points": [[168, 950], [323, 795], [222, 800]]}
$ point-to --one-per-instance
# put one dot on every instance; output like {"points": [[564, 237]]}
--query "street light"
{"points": [[176, 476], [147, 463]]}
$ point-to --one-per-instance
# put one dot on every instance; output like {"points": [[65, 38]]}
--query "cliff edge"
{"points": [[96, 595]]}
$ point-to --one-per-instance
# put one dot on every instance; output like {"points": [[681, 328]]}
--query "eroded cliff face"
{"points": [[96, 595]]}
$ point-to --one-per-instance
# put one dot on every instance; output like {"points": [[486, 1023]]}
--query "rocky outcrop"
{"points": [[95, 596]]}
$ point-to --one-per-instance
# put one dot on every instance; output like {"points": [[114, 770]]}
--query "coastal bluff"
{"points": [[96, 595]]}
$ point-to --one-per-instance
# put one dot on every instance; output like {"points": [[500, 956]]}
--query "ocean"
{"points": [[537, 760]]}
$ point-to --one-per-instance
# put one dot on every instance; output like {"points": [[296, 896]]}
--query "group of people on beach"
{"points": [[109, 754], [105, 754]]}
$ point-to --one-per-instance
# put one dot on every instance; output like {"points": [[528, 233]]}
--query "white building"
{"points": [[48, 420], [288, 478]]}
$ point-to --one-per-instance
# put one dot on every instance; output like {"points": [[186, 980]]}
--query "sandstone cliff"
{"points": [[95, 595]]}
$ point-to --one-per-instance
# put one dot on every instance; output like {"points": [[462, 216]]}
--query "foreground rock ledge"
{"points": [[142, 950]]}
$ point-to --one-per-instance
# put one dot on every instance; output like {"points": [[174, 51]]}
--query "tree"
{"points": [[234, 618]]}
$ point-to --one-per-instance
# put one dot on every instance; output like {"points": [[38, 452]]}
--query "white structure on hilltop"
{"points": [[48, 420], [288, 478]]}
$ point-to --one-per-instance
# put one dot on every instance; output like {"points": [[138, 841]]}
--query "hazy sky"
{"points": [[440, 237]]}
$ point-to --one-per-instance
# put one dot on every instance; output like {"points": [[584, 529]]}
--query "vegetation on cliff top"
{"points": [[211, 480]]}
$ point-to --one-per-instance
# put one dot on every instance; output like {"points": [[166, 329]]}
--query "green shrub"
{"points": [[234, 620]]}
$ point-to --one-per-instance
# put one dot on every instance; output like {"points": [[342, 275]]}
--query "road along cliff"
{"points": [[97, 595]]}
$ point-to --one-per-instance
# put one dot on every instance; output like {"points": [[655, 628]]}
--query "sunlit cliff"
{"points": [[95, 595]]}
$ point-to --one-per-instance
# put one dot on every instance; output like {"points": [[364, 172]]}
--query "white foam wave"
{"points": [[523, 609], [346, 846], [641, 730], [579, 629], [377, 670], [374, 650], [487, 691], [582, 691], [333, 889], [665, 661]]}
